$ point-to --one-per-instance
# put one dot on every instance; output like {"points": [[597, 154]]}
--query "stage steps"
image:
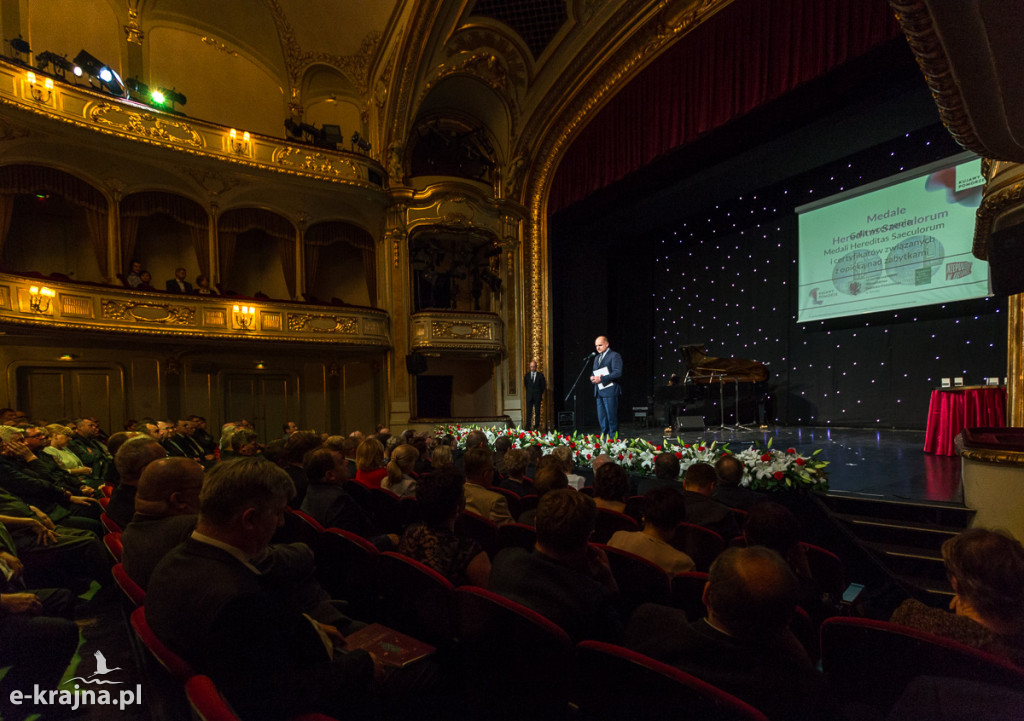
{"points": [[905, 536]]}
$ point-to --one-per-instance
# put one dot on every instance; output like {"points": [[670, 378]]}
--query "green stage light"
{"points": [[158, 97]]}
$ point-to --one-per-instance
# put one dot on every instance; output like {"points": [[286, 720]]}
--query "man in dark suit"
{"points": [[246, 628], [728, 489], [534, 384], [607, 372], [703, 510], [178, 284]]}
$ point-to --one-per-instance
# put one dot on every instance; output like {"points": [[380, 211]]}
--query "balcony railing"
{"points": [[457, 331], [43, 303]]}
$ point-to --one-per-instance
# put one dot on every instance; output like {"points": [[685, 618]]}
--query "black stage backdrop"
{"points": [[701, 247]]}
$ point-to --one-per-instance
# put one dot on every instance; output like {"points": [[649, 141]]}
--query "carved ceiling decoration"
{"points": [[536, 21], [354, 67]]}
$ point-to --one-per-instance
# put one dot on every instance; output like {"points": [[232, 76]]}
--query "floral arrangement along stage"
{"points": [[766, 468]]}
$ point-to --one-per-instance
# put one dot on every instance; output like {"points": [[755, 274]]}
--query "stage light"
{"points": [[106, 77], [170, 98], [158, 97]]}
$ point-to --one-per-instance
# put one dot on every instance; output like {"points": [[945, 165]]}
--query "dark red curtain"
{"points": [[751, 52]]}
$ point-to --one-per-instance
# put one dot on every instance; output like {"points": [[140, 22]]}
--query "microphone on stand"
{"points": [[590, 356]]}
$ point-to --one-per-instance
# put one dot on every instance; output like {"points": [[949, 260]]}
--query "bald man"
{"points": [[605, 379], [166, 504]]}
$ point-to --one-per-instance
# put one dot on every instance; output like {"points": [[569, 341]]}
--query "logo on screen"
{"points": [[960, 269], [814, 296]]}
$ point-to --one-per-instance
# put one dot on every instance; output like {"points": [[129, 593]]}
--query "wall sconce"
{"points": [[245, 316], [240, 146], [40, 298], [42, 92]]}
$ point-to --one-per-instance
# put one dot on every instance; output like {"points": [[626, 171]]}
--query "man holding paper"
{"points": [[607, 372]]}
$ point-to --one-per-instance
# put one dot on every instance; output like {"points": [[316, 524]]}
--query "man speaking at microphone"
{"points": [[605, 379]]}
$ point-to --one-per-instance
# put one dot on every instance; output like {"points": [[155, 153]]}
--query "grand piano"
{"points": [[704, 371]]}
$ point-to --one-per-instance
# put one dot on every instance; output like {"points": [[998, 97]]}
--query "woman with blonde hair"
{"points": [[370, 470], [60, 436], [441, 458], [400, 479]]}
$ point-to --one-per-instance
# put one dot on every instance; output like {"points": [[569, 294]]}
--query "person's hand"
{"points": [[43, 518], [21, 603], [19, 448], [44, 536], [14, 563], [82, 500], [333, 633], [87, 491], [599, 568]]}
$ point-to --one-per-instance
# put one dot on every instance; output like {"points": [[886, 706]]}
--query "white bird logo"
{"points": [[101, 669]]}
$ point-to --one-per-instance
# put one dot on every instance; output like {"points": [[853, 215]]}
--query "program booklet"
{"points": [[388, 646]]}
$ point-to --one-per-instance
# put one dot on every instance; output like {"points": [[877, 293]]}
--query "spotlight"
{"points": [[168, 98], [332, 135], [137, 90], [107, 78], [19, 46], [360, 142], [294, 129]]}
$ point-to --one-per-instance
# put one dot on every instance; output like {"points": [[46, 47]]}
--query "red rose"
{"points": [[620, 456], [791, 451], [800, 461], [588, 456], [726, 454], [658, 449], [679, 455], [686, 445], [779, 475], [572, 445], [701, 448], [766, 457]]}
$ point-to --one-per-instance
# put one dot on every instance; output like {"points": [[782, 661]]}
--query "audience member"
{"points": [[502, 445], [90, 450], [986, 570], [60, 436], [564, 578], [400, 479], [23, 475], [666, 473], [248, 632], [663, 510], [564, 456], [243, 443], [515, 461], [370, 469], [441, 459], [774, 526], [145, 281], [549, 477], [131, 460], [701, 509], [441, 498], [480, 499], [330, 504], [203, 286], [611, 487], [178, 284], [730, 489], [134, 277], [166, 504], [296, 446], [743, 645], [202, 436]]}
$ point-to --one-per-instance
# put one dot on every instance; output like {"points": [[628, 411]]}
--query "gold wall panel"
{"points": [[447, 330]]}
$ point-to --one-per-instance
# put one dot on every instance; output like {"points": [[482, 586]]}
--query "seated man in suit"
{"points": [[178, 284], [728, 489], [743, 645], [166, 507], [666, 473], [564, 578], [246, 630], [701, 509], [131, 460], [480, 499]]}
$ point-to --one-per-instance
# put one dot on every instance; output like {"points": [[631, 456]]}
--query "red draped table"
{"points": [[953, 409]]}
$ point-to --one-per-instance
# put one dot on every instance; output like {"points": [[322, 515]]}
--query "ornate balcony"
{"points": [[43, 303], [457, 332]]}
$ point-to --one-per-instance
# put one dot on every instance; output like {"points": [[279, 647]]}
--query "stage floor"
{"points": [[876, 463]]}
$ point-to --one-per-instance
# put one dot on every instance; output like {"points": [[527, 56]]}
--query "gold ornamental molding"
{"points": [[93, 308], [919, 28], [80, 107], [1001, 458], [1003, 193], [144, 124], [454, 330], [323, 323]]}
